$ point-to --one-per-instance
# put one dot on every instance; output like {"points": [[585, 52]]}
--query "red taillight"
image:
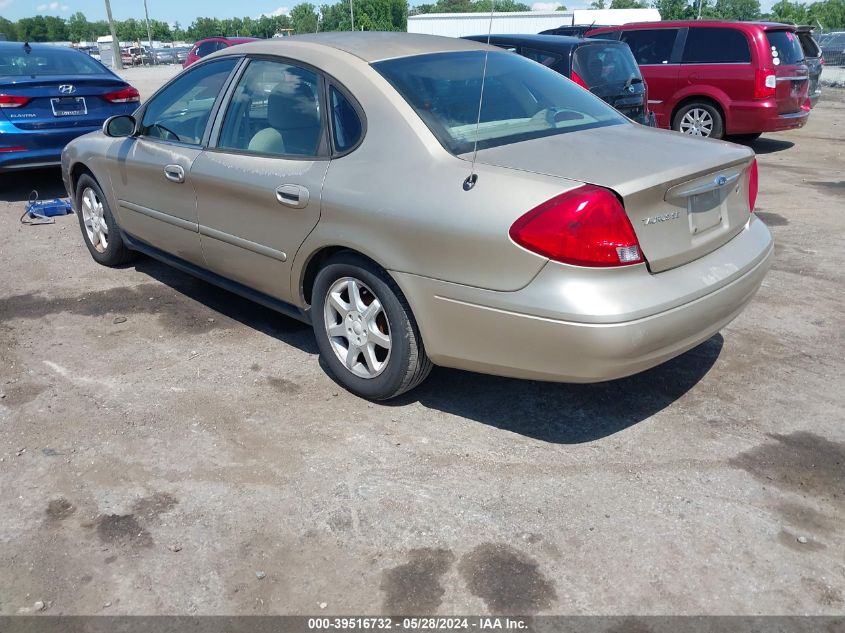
{"points": [[577, 79], [12, 149], [586, 226], [13, 101], [753, 185], [765, 84], [124, 95]]}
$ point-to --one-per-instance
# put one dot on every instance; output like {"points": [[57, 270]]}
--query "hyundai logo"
{"points": [[67, 89]]}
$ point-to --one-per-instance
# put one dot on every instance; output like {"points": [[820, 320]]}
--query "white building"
{"points": [[522, 22]]}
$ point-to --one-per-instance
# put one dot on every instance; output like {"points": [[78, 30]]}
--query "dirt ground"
{"points": [[169, 448]]}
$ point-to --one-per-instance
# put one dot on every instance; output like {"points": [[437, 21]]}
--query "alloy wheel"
{"points": [[697, 122], [357, 327], [93, 216]]}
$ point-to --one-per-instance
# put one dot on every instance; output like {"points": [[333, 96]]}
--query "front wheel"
{"points": [[99, 228], [365, 330], [699, 119]]}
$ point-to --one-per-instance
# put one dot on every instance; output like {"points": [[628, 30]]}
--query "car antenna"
{"points": [[27, 48], [470, 181]]}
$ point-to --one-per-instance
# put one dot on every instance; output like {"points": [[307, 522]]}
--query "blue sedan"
{"points": [[49, 95]]}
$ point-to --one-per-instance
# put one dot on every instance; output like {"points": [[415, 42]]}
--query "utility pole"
{"points": [[699, 9], [351, 15], [115, 44], [149, 35]]}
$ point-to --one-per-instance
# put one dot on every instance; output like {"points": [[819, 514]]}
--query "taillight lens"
{"points": [[586, 226], [577, 79], [124, 95], [13, 101], [753, 185], [765, 84]]}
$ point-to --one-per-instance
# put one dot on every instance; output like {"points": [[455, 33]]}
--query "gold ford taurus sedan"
{"points": [[357, 182]]}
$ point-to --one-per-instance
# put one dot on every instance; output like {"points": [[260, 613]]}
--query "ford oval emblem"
{"points": [[721, 181]]}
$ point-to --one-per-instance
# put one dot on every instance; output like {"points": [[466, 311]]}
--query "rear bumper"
{"points": [[750, 117], [573, 324], [40, 148]]}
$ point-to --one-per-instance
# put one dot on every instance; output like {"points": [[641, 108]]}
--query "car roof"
{"points": [[7, 46], [553, 42], [707, 23], [371, 46]]}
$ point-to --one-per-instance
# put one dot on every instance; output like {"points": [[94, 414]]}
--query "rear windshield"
{"points": [[809, 46], [600, 64], [786, 49], [41, 62], [522, 100]]}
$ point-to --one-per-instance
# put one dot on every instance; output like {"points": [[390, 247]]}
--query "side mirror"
{"points": [[119, 126]]}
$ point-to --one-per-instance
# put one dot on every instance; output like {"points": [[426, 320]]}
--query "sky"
{"points": [[186, 11]]}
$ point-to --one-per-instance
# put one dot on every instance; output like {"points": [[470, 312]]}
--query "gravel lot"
{"points": [[167, 447]]}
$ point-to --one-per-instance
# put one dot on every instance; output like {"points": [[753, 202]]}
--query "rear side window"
{"points": [[546, 58], [651, 46], [716, 46], [522, 100], [346, 125], [599, 64], [17, 62], [207, 48], [785, 47]]}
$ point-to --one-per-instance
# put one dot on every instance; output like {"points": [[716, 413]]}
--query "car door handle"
{"points": [[295, 196], [174, 173]]}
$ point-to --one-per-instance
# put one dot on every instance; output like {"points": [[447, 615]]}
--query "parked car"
{"points": [[718, 79], [141, 55], [573, 245], [813, 59], [126, 57], [833, 49], [211, 45], [181, 53], [163, 56], [572, 31], [49, 95], [604, 67]]}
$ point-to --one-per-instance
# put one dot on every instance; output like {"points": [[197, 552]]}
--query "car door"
{"points": [[151, 170], [657, 52], [259, 184]]}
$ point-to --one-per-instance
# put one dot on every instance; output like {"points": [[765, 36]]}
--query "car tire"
{"points": [[99, 228], [699, 119], [745, 138], [374, 352]]}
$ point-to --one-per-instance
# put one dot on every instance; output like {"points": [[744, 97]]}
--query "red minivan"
{"points": [[716, 79], [212, 44]]}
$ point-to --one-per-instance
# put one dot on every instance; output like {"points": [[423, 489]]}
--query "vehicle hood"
{"points": [[626, 158]]}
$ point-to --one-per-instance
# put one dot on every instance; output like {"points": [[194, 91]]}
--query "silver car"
{"points": [[357, 182]]}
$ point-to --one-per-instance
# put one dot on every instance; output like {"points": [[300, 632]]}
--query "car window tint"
{"points": [[522, 100], [809, 46], [275, 110], [601, 64], [17, 62], [651, 46], [716, 46], [180, 112], [543, 57], [785, 47], [206, 48], [346, 125]]}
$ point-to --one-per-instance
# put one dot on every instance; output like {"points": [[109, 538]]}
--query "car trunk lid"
{"points": [[685, 196], [791, 73]]}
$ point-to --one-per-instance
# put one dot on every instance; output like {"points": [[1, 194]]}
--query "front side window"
{"points": [[180, 112], [275, 110], [522, 100], [651, 46], [785, 47], [716, 46]]}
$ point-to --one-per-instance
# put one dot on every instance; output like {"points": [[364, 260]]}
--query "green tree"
{"points": [[32, 29], [9, 29], [597, 4], [628, 4], [830, 14], [675, 9], [304, 18], [177, 31], [78, 27], [56, 29], [738, 9]]}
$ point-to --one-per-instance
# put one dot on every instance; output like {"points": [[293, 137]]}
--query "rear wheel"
{"points": [[365, 330], [699, 119], [99, 228]]}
